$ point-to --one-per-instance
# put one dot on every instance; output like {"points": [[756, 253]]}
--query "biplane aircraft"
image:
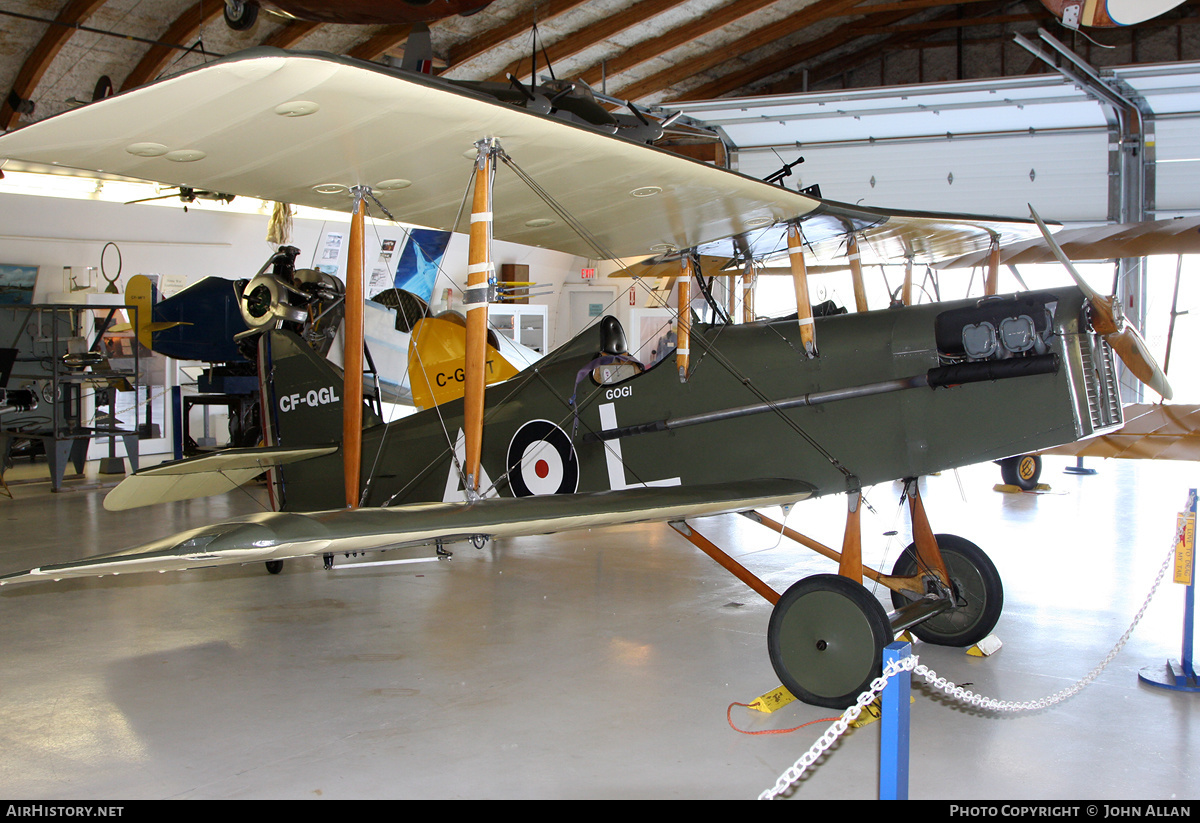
{"points": [[739, 418]]}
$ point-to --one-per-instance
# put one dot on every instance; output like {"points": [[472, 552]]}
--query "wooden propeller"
{"points": [[1108, 321]]}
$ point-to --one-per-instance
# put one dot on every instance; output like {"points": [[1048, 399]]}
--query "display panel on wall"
{"points": [[16, 284]]}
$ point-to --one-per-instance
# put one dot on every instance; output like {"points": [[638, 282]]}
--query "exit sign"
{"points": [[587, 274]]}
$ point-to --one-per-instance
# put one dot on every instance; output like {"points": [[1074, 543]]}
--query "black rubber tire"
{"points": [[244, 18], [274, 566], [826, 638], [975, 581], [103, 88], [1022, 471]]}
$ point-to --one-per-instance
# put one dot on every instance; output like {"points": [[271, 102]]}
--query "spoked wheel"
{"points": [[826, 639], [1022, 471], [978, 593]]}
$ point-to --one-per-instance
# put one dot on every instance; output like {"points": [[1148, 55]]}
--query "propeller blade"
{"points": [[1136, 356], [1091, 293], [1123, 337]]}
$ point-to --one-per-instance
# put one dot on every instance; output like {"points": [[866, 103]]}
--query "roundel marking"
{"points": [[541, 460]]}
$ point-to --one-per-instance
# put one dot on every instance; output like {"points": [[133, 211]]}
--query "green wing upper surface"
{"points": [[281, 535]]}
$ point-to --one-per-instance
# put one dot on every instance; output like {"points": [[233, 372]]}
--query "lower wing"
{"points": [[284, 535]]}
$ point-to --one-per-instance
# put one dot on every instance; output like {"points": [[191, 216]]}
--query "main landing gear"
{"points": [[1022, 471], [827, 632]]}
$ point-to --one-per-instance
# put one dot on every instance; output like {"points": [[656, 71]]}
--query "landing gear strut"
{"points": [[827, 632], [975, 590]]}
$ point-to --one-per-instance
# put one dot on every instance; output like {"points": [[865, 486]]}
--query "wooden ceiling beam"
{"points": [[784, 60], [291, 34], [901, 39], [887, 24], [649, 49], [498, 35], [185, 27], [589, 36], [381, 42], [759, 37], [907, 6], [43, 54]]}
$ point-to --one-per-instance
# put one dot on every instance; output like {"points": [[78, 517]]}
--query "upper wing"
{"points": [[1181, 236], [280, 535], [304, 128], [1151, 432], [888, 235]]}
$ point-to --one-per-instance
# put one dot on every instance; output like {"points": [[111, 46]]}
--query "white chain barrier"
{"points": [[911, 663]]}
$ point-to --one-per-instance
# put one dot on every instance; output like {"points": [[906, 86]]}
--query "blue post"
{"points": [[177, 415], [894, 727], [1189, 612], [1180, 675]]}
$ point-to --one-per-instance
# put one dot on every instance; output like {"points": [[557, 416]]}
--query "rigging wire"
{"points": [[704, 344]]}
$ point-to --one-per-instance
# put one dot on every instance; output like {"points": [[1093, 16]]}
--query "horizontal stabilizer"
{"points": [[203, 476], [283, 535]]}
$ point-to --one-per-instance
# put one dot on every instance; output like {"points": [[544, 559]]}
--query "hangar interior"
{"points": [[613, 662]]}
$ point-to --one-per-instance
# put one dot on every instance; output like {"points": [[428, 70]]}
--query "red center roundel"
{"points": [[541, 460]]}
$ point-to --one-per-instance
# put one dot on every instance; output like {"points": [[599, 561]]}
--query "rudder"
{"points": [[301, 397]]}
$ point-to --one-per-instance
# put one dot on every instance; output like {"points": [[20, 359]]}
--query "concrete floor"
{"points": [[589, 665]]}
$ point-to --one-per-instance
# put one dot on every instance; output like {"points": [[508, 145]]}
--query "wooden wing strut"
{"points": [[479, 279], [352, 392]]}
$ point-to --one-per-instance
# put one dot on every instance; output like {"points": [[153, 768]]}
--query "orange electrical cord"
{"points": [[729, 718]]}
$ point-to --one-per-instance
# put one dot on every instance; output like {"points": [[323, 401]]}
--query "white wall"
{"points": [[53, 232], [1065, 176]]}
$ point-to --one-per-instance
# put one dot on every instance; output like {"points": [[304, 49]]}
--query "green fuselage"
{"points": [[863, 440]]}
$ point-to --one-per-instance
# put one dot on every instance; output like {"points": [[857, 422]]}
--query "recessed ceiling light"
{"points": [[296, 108], [186, 155], [147, 149], [755, 222], [663, 247], [331, 188], [539, 222], [645, 191], [395, 184]]}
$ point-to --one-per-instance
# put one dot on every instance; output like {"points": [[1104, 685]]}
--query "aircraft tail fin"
{"points": [[301, 393], [436, 355], [301, 401], [418, 51], [140, 292]]}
